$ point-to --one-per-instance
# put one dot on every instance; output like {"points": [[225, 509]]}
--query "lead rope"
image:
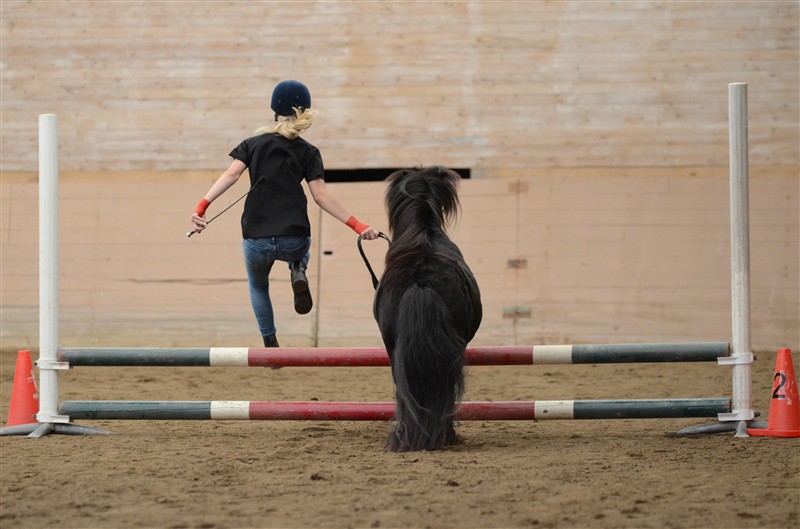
{"points": [[366, 261]]}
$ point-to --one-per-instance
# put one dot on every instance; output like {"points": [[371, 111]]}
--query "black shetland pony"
{"points": [[427, 306]]}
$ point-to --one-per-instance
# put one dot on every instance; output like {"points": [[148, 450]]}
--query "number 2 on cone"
{"points": [[777, 394]]}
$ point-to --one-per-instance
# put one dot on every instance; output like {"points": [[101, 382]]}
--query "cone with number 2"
{"points": [[784, 407]]}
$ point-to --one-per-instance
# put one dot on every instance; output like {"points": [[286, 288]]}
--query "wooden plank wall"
{"points": [[586, 260], [558, 260], [596, 133], [505, 91]]}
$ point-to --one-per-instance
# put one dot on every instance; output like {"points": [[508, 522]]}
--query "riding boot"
{"points": [[271, 341], [302, 293]]}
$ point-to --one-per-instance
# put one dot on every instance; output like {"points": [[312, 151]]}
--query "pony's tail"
{"points": [[428, 370]]}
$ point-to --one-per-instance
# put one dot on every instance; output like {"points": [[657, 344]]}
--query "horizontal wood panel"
{"points": [[639, 260], [168, 86]]}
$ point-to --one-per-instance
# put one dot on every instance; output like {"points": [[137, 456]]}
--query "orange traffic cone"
{"points": [[24, 398], [784, 408]]}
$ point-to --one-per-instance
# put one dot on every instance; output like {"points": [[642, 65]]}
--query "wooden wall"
{"points": [[596, 133], [505, 90], [558, 260]]}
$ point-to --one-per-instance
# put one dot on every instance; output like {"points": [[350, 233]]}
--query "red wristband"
{"points": [[355, 225], [201, 207]]}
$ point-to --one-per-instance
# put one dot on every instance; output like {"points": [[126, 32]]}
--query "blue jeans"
{"points": [[259, 256]]}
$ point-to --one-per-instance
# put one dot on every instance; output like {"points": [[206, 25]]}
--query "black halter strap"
{"points": [[366, 261]]}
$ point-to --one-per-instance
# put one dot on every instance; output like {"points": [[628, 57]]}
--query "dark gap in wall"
{"points": [[373, 175]]}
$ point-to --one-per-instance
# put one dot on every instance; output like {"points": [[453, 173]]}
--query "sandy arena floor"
{"points": [[239, 474]]}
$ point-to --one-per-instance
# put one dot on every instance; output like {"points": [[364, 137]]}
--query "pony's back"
{"points": [[427, 307]]}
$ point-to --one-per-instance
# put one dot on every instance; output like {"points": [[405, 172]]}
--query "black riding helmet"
{"points": [[290, 94]]}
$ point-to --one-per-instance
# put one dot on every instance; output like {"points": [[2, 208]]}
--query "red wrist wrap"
{"points": [[356, 226], [201, 207]]}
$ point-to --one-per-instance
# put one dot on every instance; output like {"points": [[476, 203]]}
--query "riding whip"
{"points": [[189, 234]]}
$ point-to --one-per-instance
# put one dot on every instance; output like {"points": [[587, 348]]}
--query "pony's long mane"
{"points": [[421, 203]]}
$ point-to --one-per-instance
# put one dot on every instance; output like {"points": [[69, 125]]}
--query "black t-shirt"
{"points": [[277, 206]]}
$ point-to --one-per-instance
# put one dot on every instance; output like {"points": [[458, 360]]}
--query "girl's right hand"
{"points": [[198, 223], [370, 234]]}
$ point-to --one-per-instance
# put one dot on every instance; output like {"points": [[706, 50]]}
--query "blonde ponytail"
{"points": [[290, 127]]}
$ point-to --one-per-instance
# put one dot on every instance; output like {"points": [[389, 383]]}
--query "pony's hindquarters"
{"points": [[428, 369]]}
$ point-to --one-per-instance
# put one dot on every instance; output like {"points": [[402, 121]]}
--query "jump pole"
{"points": [[384, 411], [377, 357]]}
